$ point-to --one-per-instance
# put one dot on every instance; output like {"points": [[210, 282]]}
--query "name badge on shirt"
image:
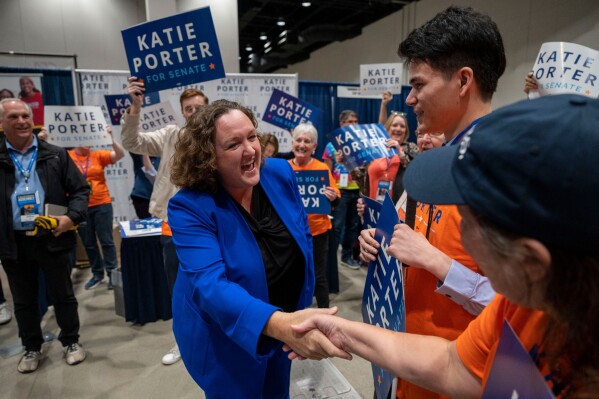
{"points": [[383, 187], [29, 204], [343, 180], [89, 183]]}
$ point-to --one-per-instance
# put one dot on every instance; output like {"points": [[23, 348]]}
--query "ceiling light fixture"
{"points": [[248, 48], [267, 44], [284, 33], [281, 21], [306, 4], [263, 36], [266, 51], [283, 40]]}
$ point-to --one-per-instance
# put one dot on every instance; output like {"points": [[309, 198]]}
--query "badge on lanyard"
{"points": [[27, 201], [382, 189], [29, 204], [343, 180]]}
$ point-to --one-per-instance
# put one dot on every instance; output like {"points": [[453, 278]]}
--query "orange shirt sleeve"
{"points": [[478, 342]]}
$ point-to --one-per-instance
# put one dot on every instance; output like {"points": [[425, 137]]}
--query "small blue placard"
{"points": [[117, 104], [312, 185], [361, 143], [286, 111], [174, 51], [383, 298], [513, 373], [372, 211]]}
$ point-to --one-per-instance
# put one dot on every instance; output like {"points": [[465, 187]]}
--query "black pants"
{"points": [[22, 273], [142, 206], [171, 261], [320, 245]]}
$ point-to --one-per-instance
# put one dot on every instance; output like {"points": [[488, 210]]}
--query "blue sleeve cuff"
{"points": [[468, 289]]}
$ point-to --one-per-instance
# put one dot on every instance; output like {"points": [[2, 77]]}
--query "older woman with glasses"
{"points": [[426, 141]]}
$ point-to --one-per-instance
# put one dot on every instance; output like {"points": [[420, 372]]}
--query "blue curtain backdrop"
{"points": [[57, 84], [323, 95]]}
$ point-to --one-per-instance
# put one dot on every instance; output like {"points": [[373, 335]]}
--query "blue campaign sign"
{"points": [[174, 51], [285, 111], [361, 143], [372, 210], [513, 373], [312, 185], [383, 298], [117, 104]]}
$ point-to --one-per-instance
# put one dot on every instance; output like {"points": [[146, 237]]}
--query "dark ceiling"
{"points": [[307, 28]]}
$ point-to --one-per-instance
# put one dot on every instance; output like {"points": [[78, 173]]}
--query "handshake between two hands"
{"points": [[313, 334]]}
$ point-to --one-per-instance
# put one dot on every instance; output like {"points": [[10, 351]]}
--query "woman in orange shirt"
{"points": [[91, 164], [384, 174], [305, 140]]}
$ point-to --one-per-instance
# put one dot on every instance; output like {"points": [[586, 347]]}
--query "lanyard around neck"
{"points": [[25, 172], [80, 165], [459, 137]]}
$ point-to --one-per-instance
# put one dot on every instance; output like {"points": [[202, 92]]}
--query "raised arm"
{"points": [[117, 152], [387, 97], [149, 143]]}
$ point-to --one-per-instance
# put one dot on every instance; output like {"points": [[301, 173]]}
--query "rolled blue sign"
{"points": [[312, 185], [383, 297], [286, 111], [117, 104], [174, 51], [361, 144]]}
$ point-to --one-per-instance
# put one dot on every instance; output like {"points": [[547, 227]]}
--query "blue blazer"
{"points": [[220, 298]]}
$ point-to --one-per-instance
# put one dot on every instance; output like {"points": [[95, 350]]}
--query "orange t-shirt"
{"points": [[319, 224], [382, 169], [92, 168], [477, 345], [427, 312]]}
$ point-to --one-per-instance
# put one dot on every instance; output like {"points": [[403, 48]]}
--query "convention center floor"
{"points": [[124, 359]]}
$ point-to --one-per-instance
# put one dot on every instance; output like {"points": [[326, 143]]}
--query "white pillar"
{"points": [[156, 9]]}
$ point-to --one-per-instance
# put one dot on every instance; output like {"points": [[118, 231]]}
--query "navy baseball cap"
{"points": [[531, 167]]}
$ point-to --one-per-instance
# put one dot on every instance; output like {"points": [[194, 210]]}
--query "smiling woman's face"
{"points": [[237, 152]]}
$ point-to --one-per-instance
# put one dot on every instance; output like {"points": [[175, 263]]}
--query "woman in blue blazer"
{"points": [[245, 255]]}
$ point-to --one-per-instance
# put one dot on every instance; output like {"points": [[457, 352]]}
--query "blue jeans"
{"points": [[346, 221], [99, 224]]}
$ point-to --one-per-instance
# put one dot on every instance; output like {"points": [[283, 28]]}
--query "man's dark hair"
{"points": [[455, 38]]}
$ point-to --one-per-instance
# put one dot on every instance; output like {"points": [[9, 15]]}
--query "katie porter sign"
{"points": [[174, 51]]}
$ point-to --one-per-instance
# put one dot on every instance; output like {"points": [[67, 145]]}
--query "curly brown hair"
{"points": [[194, 161]]}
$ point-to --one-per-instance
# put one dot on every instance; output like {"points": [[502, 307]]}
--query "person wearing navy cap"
{"points": [[531, 221]]}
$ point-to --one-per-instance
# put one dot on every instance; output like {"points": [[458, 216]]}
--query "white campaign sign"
{"points": [[252, 90], [378, 78], [156, 116], [120, 176], [563, 67], [76, 126]]}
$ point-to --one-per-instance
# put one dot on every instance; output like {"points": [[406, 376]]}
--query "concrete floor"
{"points": [[124, 359]]}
